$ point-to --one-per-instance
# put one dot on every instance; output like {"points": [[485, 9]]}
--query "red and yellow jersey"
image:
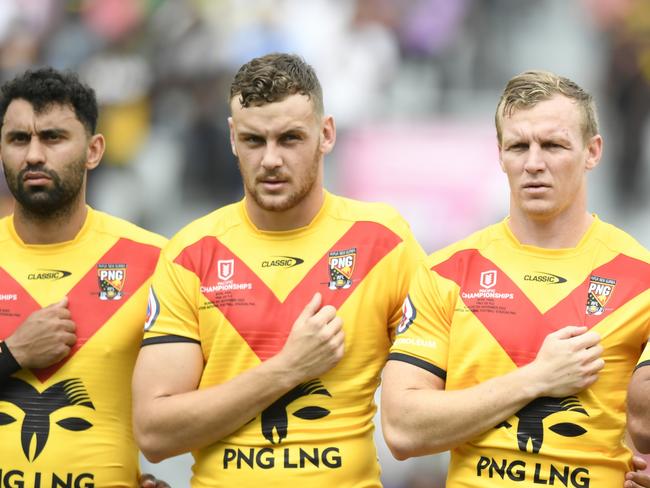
{"points": [[70, 424], [482, 308], [237, 291]]}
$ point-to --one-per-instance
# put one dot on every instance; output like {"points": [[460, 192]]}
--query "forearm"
{"points": [[638, 413], [424, 421], [169, 425]]}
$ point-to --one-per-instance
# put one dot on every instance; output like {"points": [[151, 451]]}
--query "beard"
{"points": [[54, 200], [275, 203]]}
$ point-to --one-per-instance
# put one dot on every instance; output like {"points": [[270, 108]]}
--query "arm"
{"points": [[44, 338], [171, 416], [638, 413], [419, 417]]}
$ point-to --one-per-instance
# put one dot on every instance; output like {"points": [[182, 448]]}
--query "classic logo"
{"points": [[599, 293], [408, 315], [275, 420], [38, 408], [111, 280], [48, 274], [282, 262], [547, 278], [153, 309], [341, 267], [225, 269], [488, 278], [531, 421]]}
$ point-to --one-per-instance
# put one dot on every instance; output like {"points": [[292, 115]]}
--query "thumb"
{"points": [[61, 303], [570, 331], [310, 309]]}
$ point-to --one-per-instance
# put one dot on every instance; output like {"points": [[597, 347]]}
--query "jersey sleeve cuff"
{"points": [[166, 339], [642, 364], [431, 368]]}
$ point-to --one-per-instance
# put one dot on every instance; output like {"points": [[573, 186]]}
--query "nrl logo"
{"points": [[111, 280], [341, 267], [599, 292], [225, 269], [488, 278]]}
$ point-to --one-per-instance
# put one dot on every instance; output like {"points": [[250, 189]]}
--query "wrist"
{"points": [[532, 387], [8, 363]]}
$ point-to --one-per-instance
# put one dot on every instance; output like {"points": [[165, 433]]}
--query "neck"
{"points": [[61, 226], [298, 216], [559, 232]]}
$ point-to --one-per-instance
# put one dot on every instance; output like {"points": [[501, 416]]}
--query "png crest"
{"points": [[111, 280]]}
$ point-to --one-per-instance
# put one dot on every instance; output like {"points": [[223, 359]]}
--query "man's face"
{"points": [[280, 148], [545, 157], [44, 156]]}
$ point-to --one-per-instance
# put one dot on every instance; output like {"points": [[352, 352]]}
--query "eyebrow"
{"points": [[40, 133]]}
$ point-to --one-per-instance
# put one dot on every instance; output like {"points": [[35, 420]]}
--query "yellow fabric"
{"points": [[482, 307], [360, 257], [84, 403]]}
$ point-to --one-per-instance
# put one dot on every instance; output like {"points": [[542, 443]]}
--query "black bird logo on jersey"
{"points": [[531, 417], [39, 406], [275, 417]]}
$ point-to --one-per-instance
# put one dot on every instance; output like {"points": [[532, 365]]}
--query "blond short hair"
{"points": [[531, 87]]}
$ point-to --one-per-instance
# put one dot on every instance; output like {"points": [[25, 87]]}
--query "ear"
{"points": [[327, 134], [594, 152], [231, 126], [95, 151]]}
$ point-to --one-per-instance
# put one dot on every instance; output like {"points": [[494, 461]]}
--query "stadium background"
{"points": [[412, 85]]}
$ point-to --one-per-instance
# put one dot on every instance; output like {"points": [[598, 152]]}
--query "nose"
{"points": [[35, 153], [271, 158], [534, 159]]}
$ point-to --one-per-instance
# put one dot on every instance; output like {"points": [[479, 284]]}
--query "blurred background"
{"points": [[412, 85]]}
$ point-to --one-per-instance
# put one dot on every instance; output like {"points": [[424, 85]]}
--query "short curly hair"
{"points": [[531, 87], [45, 87], [273, 77]]}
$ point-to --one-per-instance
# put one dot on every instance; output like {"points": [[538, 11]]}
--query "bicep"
{"points": [[400, 376], [167, 369]]}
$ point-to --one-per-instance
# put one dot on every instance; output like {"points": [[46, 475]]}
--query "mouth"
{"points": [[272, 184], [36, 178], [535, 187]]}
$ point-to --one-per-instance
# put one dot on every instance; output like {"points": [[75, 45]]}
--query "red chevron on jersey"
{"points": [[88, 312], [15, 304], [266, 321], [513, 320]]}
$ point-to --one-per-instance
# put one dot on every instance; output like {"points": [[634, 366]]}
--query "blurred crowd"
{"points": [[162, 68]]}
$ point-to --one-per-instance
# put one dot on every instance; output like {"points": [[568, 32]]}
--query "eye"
{"points": [[291, 138], [253, 140], [552, 145], [518, 146], [19, 137], [51, 136]]}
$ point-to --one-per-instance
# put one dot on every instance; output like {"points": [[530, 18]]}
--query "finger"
{"points": [[325, 315], [68, 326], [69, 340], [638, 463], [311, 308], [63, 303], [586, 340], [569, 331], [147, 481], [595, 366]]}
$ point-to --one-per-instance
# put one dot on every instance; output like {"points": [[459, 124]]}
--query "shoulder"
{"points": [[213, 224], [381, 214], [620, 242], [479, 240], [116, 227]]}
